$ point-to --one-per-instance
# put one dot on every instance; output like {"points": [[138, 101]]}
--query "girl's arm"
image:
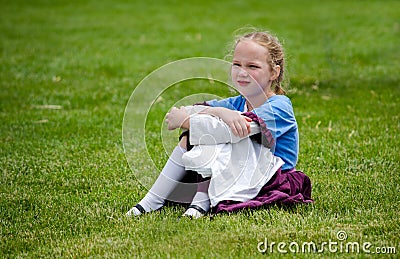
{"points": [[239, 124], [210, 130]]}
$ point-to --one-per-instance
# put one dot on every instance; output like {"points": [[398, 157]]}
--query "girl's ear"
{"points": [[275, 72]]}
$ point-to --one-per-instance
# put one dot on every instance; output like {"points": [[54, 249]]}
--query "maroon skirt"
{"points": [[289, 187]]}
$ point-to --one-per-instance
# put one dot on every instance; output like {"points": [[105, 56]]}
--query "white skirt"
{"points": [[238, 167]]}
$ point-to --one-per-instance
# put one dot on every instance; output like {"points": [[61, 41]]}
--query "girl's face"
{"points": [[251, 73]]}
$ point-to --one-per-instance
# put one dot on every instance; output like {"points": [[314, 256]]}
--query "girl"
{"points": [[257, 72]]}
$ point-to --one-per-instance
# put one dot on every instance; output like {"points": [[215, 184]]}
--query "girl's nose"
{"points": [[242, 72]]}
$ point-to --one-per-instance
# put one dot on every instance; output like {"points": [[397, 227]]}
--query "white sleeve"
{"points": [[194, 109], [209, 130]]}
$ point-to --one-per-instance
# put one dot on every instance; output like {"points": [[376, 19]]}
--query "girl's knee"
{"points": [[183, 142]]}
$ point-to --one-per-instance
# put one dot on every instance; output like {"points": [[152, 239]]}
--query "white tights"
{"points": [[167, 181]]}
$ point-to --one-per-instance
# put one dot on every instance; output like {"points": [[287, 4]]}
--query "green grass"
{"points": [[65, 182]]}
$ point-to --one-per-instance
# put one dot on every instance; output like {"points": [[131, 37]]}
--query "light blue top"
{"points": [[277, 113]]}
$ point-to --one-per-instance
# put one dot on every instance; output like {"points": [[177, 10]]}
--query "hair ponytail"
{"points": [[279, 90]]}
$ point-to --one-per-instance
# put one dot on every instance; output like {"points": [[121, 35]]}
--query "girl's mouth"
{"points": [[243, 83]]}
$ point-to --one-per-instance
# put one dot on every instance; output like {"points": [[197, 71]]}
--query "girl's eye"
{"points": [[253, 67], [236, 64]]}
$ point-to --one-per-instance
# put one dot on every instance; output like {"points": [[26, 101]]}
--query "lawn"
{"points": [[69, 68]]}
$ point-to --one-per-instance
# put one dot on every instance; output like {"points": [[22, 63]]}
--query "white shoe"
{"points": [[135, 211], [194, 212]]}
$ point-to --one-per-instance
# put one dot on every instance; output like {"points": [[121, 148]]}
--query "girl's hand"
{"points": [[239, 124], [177, 118]]}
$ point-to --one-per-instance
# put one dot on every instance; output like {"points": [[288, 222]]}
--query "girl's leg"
{"points": [[201, 202], [170, 176]]}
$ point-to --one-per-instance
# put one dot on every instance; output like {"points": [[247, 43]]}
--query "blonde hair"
{"points": [[275, 51]]}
